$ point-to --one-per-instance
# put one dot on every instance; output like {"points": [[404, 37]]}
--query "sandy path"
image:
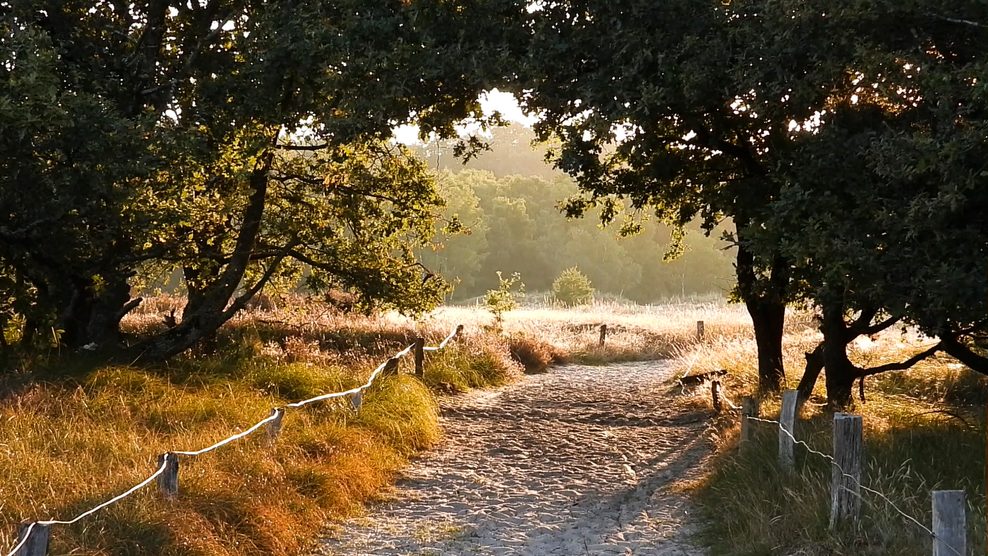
{"points": [[573, 462]]}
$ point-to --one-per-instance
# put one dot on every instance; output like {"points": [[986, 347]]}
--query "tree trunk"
{"points": [[94, 312], [764, 299], [768, 320], [814, 364], [212, 307], [841, 373]]}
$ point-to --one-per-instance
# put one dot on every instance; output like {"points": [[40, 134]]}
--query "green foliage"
{"points": [[240, 143], [513, 224], [572, 287], [501, 300]]}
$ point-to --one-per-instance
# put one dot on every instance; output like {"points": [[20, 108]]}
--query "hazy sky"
{"points": [[505, 103]]}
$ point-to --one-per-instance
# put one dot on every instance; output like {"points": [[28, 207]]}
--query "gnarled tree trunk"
{"points": [[765, 301]]}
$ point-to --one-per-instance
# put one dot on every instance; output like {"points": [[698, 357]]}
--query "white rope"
{"points": [[87, 513], [226, 441], [442, 344], [356, 392], [856, 481]]}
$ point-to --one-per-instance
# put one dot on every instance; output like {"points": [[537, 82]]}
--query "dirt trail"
{"points": [[578, 461]]}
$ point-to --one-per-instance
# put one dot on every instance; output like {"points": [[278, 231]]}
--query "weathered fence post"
{"points": [[274, 425], [168, 480], [603, 335], [949, 523], [420, 357], [699, 330], [749, 408], [787, 428], [37, 539], [845, 486], [715, 394]]}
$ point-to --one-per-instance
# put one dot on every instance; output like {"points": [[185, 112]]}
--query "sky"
{"points": [[493, 100]]}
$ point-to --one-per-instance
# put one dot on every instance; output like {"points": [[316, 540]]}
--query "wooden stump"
{"points": [[749, 408], [420, 357], [274, 425], [168, 480], [37, 539]]}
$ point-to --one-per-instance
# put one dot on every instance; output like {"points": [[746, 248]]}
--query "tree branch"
{"points": [[977, 363], [908, 363], [318, 147], [958, 21]]}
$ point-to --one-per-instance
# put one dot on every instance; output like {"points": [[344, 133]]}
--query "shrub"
{"points": [[572, 287], [534, 354], [502, 299]]}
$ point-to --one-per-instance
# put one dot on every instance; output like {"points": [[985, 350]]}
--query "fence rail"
{"points": [[33, 536]]}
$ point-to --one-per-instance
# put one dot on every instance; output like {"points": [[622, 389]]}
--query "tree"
{"points": [[572, 287], [700, 136], [209, 136], [895, 237], [745, 110]]}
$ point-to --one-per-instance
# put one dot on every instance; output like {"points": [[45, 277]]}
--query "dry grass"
{"points": [[634, 332], [68, 443], [74, 434], [924, 430]]}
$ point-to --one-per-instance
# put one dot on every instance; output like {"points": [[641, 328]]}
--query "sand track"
{"points": [[580, 460]]}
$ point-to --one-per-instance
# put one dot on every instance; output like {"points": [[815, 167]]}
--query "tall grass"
{"points": [[74, 434], [924, 429]]}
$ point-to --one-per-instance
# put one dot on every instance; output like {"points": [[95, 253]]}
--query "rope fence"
{"points": [[949, 534], [33, 536]]}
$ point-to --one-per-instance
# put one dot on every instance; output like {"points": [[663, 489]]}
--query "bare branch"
{"points": [[902, 366], [958, 21]]}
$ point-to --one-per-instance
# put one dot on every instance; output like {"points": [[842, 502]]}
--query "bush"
{"points": [[502, 299], [572, 287], [533, 354]]}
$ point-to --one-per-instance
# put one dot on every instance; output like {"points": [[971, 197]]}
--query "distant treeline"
{"points": [[513, 224]]}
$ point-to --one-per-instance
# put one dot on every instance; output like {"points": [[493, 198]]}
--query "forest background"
{"points": [[506, 204]]}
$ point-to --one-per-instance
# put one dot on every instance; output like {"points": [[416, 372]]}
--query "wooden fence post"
{"points": [[749, 408], [391, 367], [420, 357], [787, 428], [603, 335], [37, 542], [274, 425], [715, 394], [168, 480], [845, 486], [949, 523], [699, 330]]}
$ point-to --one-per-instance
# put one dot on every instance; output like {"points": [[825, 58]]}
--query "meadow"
{"points": [[77, 432]]}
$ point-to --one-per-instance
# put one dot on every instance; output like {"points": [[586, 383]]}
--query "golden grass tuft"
{"points": [[533, 354]]}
